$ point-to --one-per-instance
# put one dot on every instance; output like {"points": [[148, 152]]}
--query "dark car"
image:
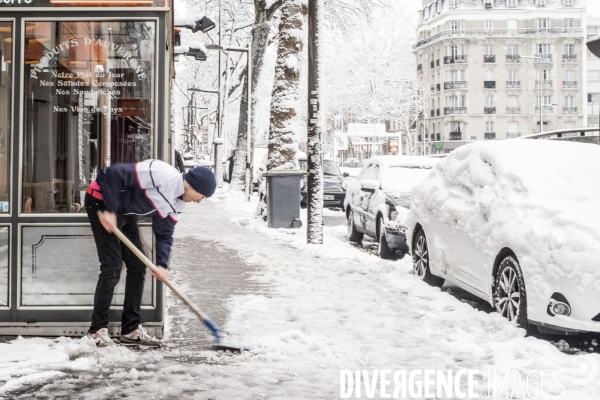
{"points": [[334, 191]]}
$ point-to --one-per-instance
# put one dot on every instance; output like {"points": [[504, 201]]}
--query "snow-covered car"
{"points": [[516, 223], [377, 201], [334, 185]]}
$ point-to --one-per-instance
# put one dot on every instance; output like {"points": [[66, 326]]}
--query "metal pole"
{"points": [[541, 96], [249, 124], [218, 162], [314, 148]]}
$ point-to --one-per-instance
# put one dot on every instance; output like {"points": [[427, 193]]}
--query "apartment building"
{"points": [[498, 69], [593, 76]]}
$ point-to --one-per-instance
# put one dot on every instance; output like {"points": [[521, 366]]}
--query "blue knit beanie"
{"points": [[202, 180]]}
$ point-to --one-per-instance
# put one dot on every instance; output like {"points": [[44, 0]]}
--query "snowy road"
{"points": [[307, 312]]}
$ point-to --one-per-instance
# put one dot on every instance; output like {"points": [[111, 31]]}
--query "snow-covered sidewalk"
{"points": [[328, 308]]}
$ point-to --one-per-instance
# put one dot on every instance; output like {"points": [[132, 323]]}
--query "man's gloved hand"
{"points": [[162, 274], [108, 220]]}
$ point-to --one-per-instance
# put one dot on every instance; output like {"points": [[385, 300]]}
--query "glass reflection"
{"points": [[5, 113], [89, 103]]}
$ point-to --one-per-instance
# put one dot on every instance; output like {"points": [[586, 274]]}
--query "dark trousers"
{"points": [[112, 253]]}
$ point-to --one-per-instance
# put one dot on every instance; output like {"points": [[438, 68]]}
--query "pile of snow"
{"points": [[537, 197]]}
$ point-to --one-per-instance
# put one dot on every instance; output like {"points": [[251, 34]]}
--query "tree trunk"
{"points": [[285, 101], [260, 41]]}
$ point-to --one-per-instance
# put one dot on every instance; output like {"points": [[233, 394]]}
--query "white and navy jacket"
{"points": [[148, 188]]}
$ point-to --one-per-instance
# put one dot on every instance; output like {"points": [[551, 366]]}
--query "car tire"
{"points": [[510, 297], [420, 254], [353, 235], [383, 250]]}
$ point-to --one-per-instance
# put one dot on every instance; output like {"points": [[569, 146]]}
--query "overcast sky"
{"points": [[594, 8]]}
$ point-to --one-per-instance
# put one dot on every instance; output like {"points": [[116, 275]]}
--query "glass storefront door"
{"points": [[89, 90]]}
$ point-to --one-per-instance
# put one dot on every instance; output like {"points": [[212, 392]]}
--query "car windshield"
{"points": [[329, 167], [402, 179]]}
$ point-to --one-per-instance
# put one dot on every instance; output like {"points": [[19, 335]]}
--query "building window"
{"points": [[545, 100], [569, 49], [489, 126], [513, 50], [513, 101], [569, 23], [488, 24], [513, 129], [568, 3], [544, 74], [452, 3], [511, 3], [489, 75], [569, 101], [489, 50], [542, 24], [570, 75], [543, 48], [593, 75], [593, 97], [513, 75], [106, 118], [592, 121], [541, 3], [490, 100], [455, 126]]}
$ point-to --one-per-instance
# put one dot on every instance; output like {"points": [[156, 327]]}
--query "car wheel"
{"points": [[509, 293], [420, 256], [383, 250], [353, 235]]}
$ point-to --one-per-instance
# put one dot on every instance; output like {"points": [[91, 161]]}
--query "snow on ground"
{"points": [[328, 307]]}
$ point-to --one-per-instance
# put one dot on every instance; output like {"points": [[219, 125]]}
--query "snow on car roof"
{"points": [[537, 197], [405, 161]]}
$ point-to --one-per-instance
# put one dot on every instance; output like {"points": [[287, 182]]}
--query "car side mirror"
{"points": [[368, 190], [346, 174]]}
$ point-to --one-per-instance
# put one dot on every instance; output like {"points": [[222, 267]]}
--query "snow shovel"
{"points": [[212, 327]]}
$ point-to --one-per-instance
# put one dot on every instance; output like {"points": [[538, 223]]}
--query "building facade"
{"points": [[593, 76], [498, 69]]}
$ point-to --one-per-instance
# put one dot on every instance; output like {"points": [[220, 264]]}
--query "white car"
{"points": [[377, 201], [516, 223]]}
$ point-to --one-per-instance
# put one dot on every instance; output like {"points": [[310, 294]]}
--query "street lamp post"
{"points": [[541, 88], [248, 51]]}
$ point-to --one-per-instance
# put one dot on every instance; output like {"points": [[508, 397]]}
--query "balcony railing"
{"points": [[437, 112], [490, 135], [455, 135], [570, 84], [455, 110], [497, 33], [489, 84], [455, 85], [569, 57], [513, 110], [489, 110], [512, 135], [455, 59], [569, 110], [489, 59], [513, 84], [513, 58], [544, 83], [544, 57], [419, 67], [545, 109]]}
